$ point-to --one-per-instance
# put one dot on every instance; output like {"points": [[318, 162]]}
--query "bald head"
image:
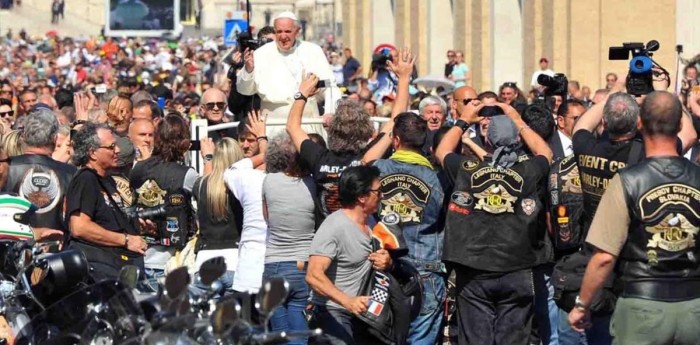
{"points": [[141, 133], [214, 105], [459, 96], [661, 114]]}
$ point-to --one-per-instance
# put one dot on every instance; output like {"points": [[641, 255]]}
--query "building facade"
{"points": [[503, 40]]}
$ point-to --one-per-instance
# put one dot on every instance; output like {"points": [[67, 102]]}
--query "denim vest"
{"points": [[415, 194]]}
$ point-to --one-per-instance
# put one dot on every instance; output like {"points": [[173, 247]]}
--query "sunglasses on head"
{"points": [[213, 105], [510, 84]]}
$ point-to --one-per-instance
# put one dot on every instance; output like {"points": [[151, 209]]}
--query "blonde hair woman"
{"points": [[219, 213], [12, 142]]}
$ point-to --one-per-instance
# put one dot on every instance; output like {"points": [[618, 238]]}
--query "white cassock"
{"points": [[277, 76]]}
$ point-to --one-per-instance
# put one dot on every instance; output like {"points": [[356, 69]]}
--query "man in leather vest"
{"points": [[162, 186], [411, 189], [647, 223], [493, 227], [39, 178]]}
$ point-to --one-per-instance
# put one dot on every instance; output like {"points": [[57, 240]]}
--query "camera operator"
{"points": [[283, 64], [239, 104], [98, 225], [382, 81], [162, 184]]}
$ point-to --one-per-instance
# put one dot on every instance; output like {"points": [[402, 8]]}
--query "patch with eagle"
{"points": [[42, 188], [404, 195]]}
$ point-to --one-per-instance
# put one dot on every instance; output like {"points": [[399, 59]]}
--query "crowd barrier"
{"points": [[199, 129]]}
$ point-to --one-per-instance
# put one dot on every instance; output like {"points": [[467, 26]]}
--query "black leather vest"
{"points": [[566, 205], [494, 217], [43, 181], [156, 183], [664, 208], [215, 234]]}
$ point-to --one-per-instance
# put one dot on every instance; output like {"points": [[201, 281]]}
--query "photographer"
{"points": [[382, 81], [282, 66], [98, 225], [239, 104], [163, 182]]}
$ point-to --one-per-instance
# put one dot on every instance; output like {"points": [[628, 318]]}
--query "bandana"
{"points": [[504, 137]]}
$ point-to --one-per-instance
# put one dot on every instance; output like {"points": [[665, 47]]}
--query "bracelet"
{"points": [[126, 240], [521, 129], [262, 138]]}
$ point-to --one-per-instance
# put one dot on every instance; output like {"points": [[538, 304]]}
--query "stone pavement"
{"points": [[37, 21]]}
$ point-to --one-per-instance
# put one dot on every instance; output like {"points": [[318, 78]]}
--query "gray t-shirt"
{"points": [[291, 218], [340, 239]]}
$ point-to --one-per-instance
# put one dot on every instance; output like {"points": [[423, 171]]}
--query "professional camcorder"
{"points": [[557, 85], [640, 77]]}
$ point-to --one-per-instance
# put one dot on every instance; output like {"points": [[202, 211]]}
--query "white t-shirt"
{"points": [[246, 184]]}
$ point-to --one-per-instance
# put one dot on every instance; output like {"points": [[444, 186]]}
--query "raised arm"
{"points": [[453, 137], [534, 141], [403, 69], [245, 80], [307, 89], [256, 125]]}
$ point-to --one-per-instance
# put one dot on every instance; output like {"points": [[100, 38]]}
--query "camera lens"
{"points": [[639, 64]]}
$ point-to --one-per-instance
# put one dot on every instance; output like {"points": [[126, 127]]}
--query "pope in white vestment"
{"points": [[277, 75]]}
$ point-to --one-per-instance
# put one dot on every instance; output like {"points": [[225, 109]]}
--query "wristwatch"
{"points": [[578, 304], [299, 95], [462, 125], [126, 240], [208, 157]]}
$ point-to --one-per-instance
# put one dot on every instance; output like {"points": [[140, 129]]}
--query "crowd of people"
{"points": [[513, 194]]}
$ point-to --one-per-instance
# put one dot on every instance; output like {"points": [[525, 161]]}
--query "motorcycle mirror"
{"points": [[211, 270], [225, 317], [176, 282], [272, 294], [129, 276]]}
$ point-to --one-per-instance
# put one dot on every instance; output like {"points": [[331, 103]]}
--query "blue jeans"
{"points": [[221, 287], [546, 310], [290, 315], [598, 334], [340, 327], [426, 327], [150, 281]]}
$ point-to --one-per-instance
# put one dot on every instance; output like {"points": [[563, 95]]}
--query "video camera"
{"points": [[557, 85], [380, 59], [155, 212], [640, 78], [246, 41]]}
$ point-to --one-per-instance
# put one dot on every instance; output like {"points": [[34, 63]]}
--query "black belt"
{"points": [[664, 291]]}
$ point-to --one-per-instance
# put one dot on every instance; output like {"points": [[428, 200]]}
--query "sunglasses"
{"points": [[7, 113], [214, 105], [5, 160], [110, 147], [467, 100]]}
